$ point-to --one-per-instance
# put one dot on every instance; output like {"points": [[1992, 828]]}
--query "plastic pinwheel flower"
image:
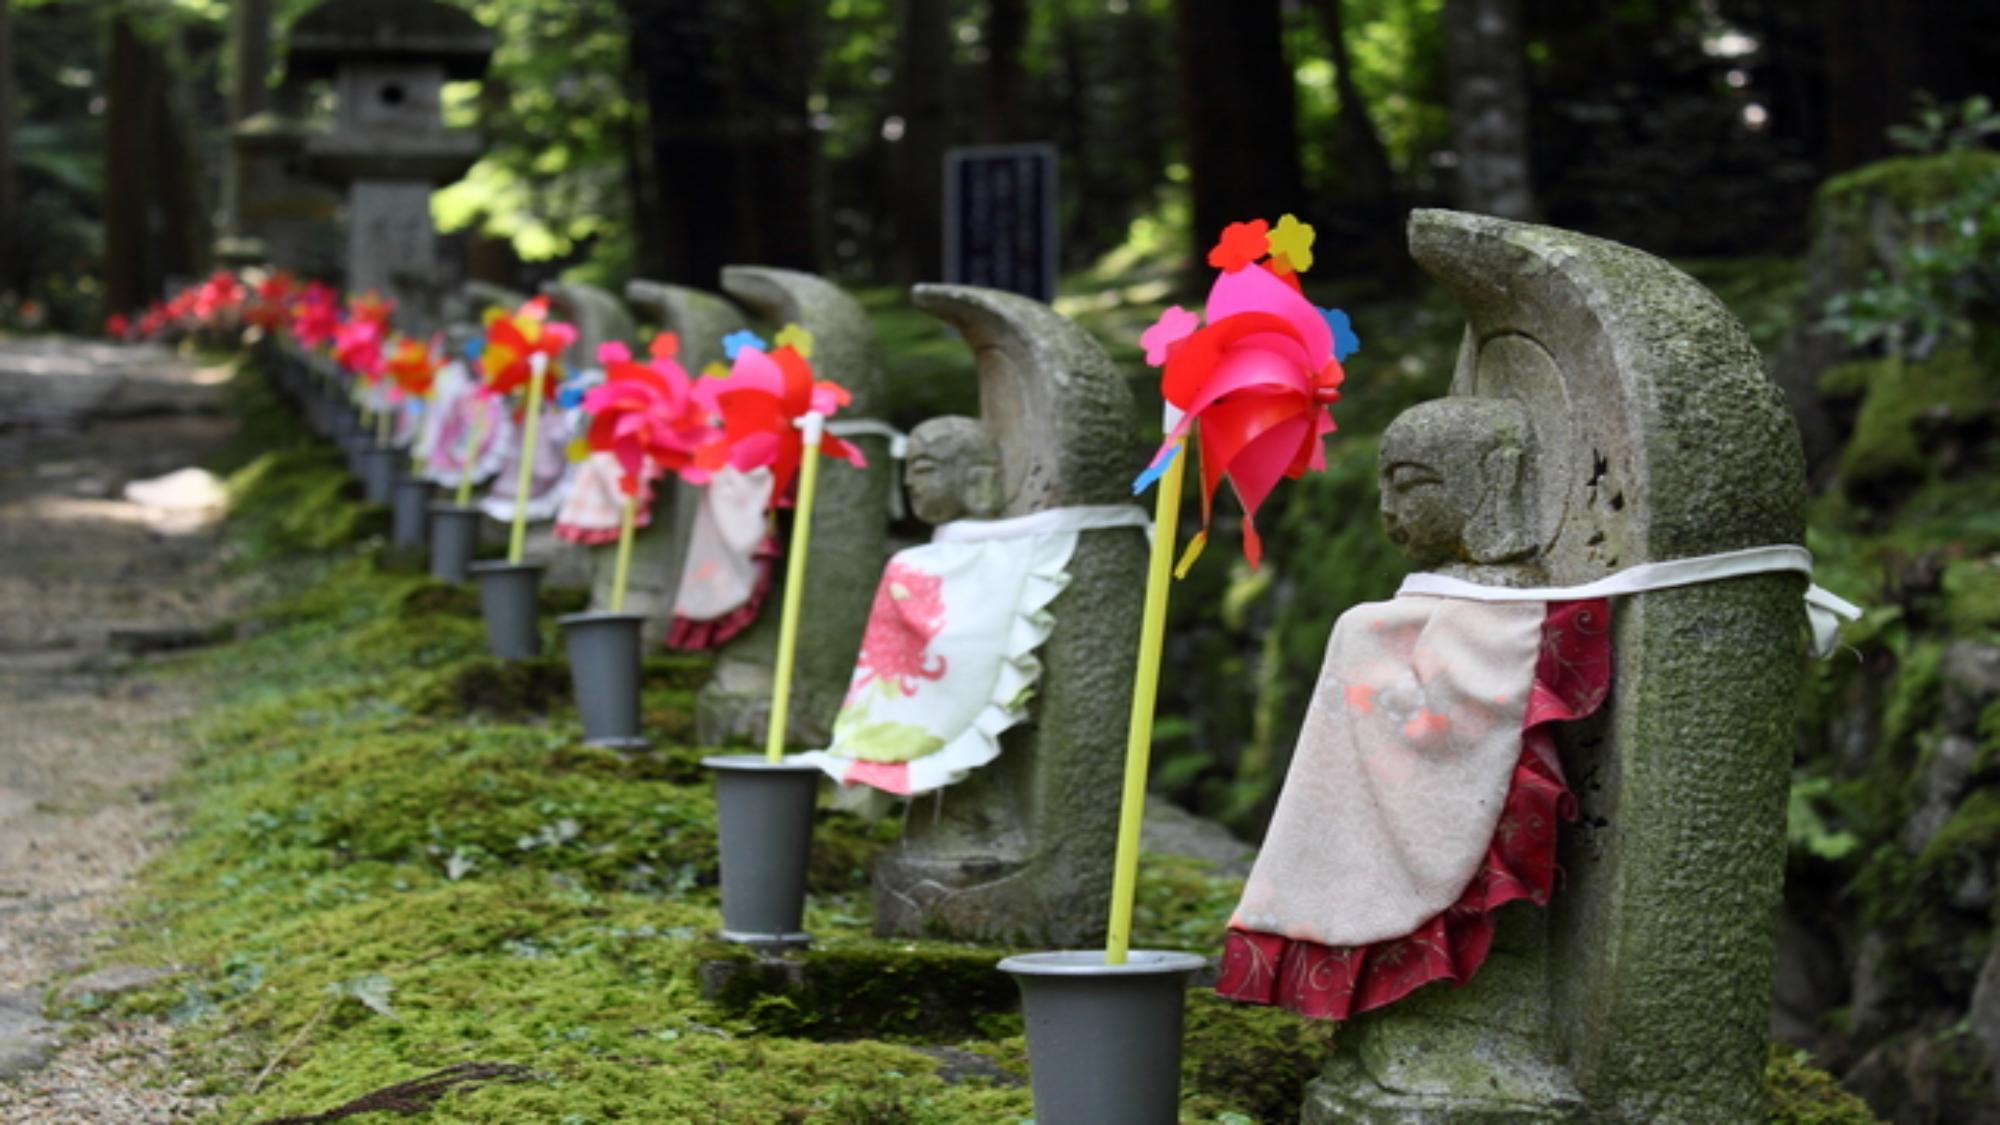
{"points": [[760, 402], [646, 415], [315, 315], [371, 306], [1254, 376], [413, 364], [511, 339], [357, 346]]}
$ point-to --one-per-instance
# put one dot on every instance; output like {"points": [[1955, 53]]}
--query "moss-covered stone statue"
{"points": [[1606, 413], [1010, 838]]}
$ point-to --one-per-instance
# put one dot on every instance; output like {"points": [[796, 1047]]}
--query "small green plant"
{"points": [[1947, 275]]}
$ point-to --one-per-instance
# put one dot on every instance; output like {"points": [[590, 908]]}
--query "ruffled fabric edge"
{"points": [[689, 635], [1572, 678], [599, 536], [1020, 669]]}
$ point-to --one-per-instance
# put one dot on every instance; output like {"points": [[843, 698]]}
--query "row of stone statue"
{"points": [[1606, 412]]}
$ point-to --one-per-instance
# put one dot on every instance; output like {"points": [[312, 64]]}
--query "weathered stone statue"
{"points": [[1607, 412], [850, 526], [701, 320], [1020, 850]]}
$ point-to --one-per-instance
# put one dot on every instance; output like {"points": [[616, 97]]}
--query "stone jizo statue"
{"points": [[1608, 419], [953, 471]]}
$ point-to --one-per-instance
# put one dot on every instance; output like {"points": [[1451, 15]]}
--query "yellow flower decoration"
{"points": [[577, 450], [715, 370], [800, 340], [1292, 240]]}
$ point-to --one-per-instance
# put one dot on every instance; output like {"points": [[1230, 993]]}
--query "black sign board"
{"points": [[1000, 218]]}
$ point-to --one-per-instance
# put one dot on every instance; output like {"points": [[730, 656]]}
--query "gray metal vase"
{"points": [[507, 599], [604, 667], [410, 512], [1104, 1041], [454, 539], [378, 473], [764, 819], [355, 443]]}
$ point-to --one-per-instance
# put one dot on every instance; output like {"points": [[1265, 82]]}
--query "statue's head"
{"points": [[1456, 488], [953, 471]]}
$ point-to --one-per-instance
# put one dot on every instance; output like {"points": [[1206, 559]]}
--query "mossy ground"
{"points": [[399, 858]]}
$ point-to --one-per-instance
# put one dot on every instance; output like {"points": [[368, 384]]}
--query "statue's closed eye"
{"points": [[1408, 474]]}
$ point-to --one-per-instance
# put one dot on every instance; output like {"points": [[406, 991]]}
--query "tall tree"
{"points": [[249, 95], [1238, 113], [1489, 106], [10, 193], [731, 171], [922, 111], [1005, 34], [1368, 212], [155, 202]]}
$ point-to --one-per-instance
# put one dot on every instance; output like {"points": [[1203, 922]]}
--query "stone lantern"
{"points": [[388, 148]]}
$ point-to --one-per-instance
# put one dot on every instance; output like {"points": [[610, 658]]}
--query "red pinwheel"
{"points": [[413, 364], [1254, 382], [760, 401], [511, 342], [646, 415]]}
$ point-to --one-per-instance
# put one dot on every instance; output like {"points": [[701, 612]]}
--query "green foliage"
{"points": [[1802, 1094], [1945, 280]]}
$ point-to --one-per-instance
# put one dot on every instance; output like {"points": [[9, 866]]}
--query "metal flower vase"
{"points": [[764, 819]]}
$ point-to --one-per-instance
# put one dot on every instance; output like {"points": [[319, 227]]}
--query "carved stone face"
{"points": [[953, 471], [1451, 475]]}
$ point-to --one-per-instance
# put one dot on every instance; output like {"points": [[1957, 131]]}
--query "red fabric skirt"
{"points": [[690, 635], [1572, 677]]}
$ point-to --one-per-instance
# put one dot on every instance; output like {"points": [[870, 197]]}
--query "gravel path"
{"points": [[101, 564]]}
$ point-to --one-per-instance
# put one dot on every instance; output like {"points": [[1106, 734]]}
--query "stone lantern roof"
{"points": [[344, 31]]}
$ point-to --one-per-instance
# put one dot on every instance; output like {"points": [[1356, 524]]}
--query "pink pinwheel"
{"points": [[1254, 382], [315, 315], [646, 415], [357, 346], [760, 402]]}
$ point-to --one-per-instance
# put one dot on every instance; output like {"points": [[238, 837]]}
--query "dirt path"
{"points": [[95, 574]]}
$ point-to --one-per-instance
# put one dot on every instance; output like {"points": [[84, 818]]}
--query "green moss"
{"points": [[1802, 1094], [1971, 590], [1905, 404], [893, 990], [1248, 1059], [1906, 182]]}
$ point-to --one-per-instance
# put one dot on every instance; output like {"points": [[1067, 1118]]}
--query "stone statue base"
{"points": [[1478, 1055]]}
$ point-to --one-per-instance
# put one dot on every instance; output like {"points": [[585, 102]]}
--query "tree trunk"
{"points": [[183, 193], [1874, 63], [1489, 106], [674, 46], [11, 273], [1006, 32], [733, 159], [1239, 116], [771, 73], [249, 95], [1366, 214], [923, 54], [131, 274]]}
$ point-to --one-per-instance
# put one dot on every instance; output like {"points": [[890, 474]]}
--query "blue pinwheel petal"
{"points": [[737, 341], [1345, 342]]}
